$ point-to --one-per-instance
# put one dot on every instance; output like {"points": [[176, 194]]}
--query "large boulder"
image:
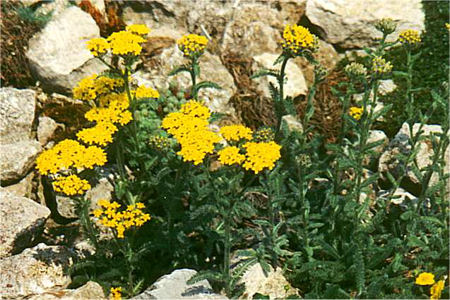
{"points": [[91, 290], [17, 109], [23, 188], [22, 221], [174, 286], [349, 24], [35, 271], [16, 159], [58, 55]]}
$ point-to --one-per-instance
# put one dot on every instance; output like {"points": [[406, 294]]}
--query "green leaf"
{"points": [[207, 84], [179, 69], [264, 72]]}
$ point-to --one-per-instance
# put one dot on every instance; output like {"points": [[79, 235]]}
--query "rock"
{"points": [[91, 290], [273, 285], [349, 24], [401, 144], [174, 286], [46, 129], [292, 123], [293, 87], [17, 159], [211, 70], [22, 221], [375, 136], [17, 108], [23, 188], [58, 55], [34, 271]]}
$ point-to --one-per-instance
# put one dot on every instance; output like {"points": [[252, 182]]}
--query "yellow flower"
{"points": [[116, 293], [264, 135], [71, 185], [356, 112], [436, 289], [92, 156], [93, 86], [236, 132], [160, 143], [425, 278], [98, 46], [409, 36], [100, 134], [297, 38], [447, 25], [192, 44], [230, 156], [146, 92], [140, 29], [380, 66], [196, 109], [261, 155], [125, 43]]}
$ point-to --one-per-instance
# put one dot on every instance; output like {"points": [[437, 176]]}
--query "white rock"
{"points": [[46, 129], [349, 24], [91, 290], [375, 136], [22, 221], [174, 286], [292, 123], [17, 108], [58, 54], [23, 188], [34, 271], [295, 84], [16, 159]]}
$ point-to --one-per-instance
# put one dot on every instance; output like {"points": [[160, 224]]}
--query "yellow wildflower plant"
{"points": [[140, 29], [111, 114], [101, 134], [146, 92], [98, 46], [160, 143], [110, 216], [92, 156], [436, 290], [230, 156], [425, 278], [71, 185], [196, 109], [356, 112], [380, 66], [93, 86], [236, 132], [261, 155], [197, 144], [264, 135], [115, 293], [409, 37], [125, 43], [192, 44], [297, 38]]}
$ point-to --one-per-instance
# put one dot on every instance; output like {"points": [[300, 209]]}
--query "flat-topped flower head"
{"points": [[236, 132], [192, 44], [230, 155], [386, 26], [139, 29], [98, 46], [425, 278], [160, 143], [146, 92], [125, 43], [71, 185], [355, 70], [91, 87], [101, 134], [260, 156], [409, 37], [265, 134], [196, 109], [356, 112], [297, 38], [115, 293], [381, 66]]}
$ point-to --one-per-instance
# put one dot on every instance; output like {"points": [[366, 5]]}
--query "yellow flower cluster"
{"points": [[93, 86], [380, 66], [356, 112], [261, 155], [71, 185], [158, 142], [111, 217], [190, 127], [98, 46], [146, 92], [236, 132], [101, 134], [409, 37], [192, 44], [298, 38], [425, 278], [67, 154], [230, 155], [115, 293], [115, 112], [436, 289], [264, 135], [140, 29]]}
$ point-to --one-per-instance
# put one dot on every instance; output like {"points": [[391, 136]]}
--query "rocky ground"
{"points": [[38, 239]]}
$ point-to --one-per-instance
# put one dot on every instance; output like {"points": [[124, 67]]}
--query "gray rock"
{"points": [[58, 54], [174, 286], [23, 188], [292, 123], [22, 221], [35, 271], [349, 23], [46, 129], [17, 108], [17, 159], [91, 290], [376, 136]]}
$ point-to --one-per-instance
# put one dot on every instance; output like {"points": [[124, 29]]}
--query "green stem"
{"points": [[227, 251], [86, 221], [279, 103], [194, 63]]}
